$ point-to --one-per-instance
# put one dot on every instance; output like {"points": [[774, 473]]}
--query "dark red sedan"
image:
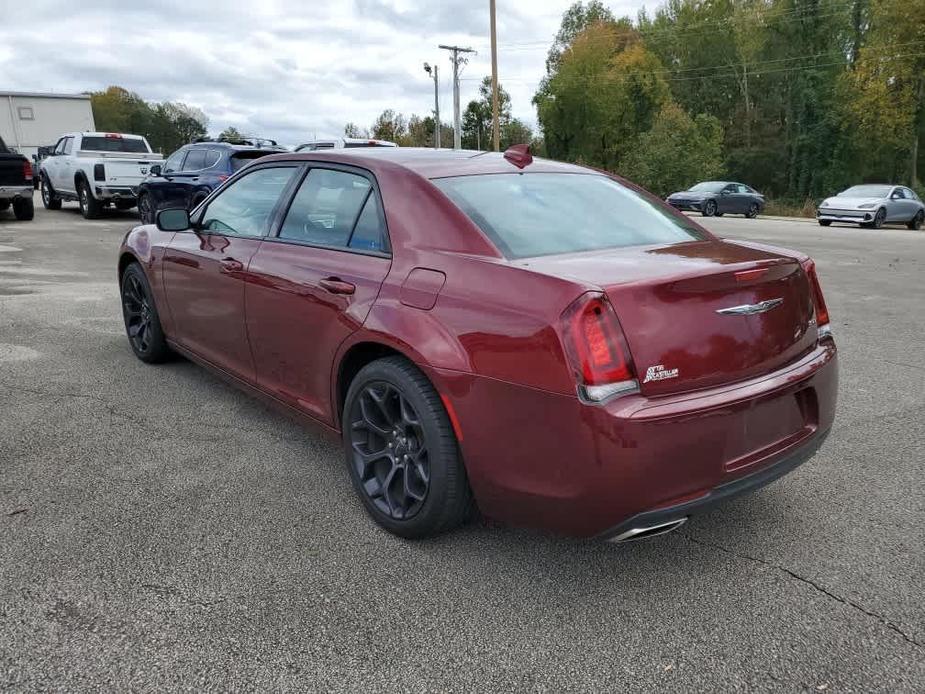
{"points": [[538, 340]]}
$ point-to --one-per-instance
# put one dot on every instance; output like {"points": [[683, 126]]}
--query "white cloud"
{"points": [[287, 69]]}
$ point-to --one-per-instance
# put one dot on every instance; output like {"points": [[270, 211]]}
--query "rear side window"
{"points": [[114, 144], [335, 208], [212, 158], [241, 159], [195, 160], [528, 215]]}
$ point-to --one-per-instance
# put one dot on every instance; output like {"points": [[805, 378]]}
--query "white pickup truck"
{"points": [[96, 170]]}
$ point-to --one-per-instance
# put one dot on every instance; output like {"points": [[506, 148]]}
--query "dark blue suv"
{"points": [[192, 172]]}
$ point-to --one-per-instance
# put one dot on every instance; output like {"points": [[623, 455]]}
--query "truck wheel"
{"points": [[49, 200], [90, 207], [23, 209]]}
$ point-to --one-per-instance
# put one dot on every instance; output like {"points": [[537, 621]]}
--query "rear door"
{"points": [[313, 283], [205, 271]]}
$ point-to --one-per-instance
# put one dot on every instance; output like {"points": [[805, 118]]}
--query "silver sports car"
{"points": [[872, 206]]}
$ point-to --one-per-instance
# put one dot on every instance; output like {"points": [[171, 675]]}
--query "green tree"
{"points": [[390, 126], [477, 118], [575, 19], [231, 133], [353, 130], [677, 152]]}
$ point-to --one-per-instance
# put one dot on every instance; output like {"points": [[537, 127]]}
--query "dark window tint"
{"points": [[326, 208], [3, 149], [369, 233], [114, 144], [212, 158], [195, 160], [244, 208], [545, 213], [241, 159]]}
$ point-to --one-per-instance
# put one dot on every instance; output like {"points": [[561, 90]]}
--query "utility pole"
{"points": [[457, 60], [495, 124], [437, 124]]}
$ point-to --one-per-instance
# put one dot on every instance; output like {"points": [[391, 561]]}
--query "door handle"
{"points": [[231, 265], [337, 286]]}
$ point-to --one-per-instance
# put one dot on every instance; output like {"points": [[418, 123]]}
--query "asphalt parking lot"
{"points": [[160, 530]]}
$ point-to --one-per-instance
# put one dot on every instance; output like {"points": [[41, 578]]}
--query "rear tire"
{"points": [[142, 322], [50, 201], [753, 211], [916, 222], [90, 207], [24, 209], [401, 451], [146, 209]]}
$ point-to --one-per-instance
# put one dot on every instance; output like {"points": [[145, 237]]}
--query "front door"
{"points": [[313, 283], [206, 269]]}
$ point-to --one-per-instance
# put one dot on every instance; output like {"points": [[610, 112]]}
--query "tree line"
{"points": [[798, 98]]}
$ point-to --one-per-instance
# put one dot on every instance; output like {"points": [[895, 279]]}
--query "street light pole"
{"points": [[457, 60], [495, 124], [437, 125]]}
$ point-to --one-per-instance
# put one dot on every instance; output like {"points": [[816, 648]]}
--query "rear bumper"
{"points": [[548, 461], [18, 191], [116, 192]]}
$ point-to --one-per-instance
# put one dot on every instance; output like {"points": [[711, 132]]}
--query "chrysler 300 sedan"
{"points": [[538, 341]]}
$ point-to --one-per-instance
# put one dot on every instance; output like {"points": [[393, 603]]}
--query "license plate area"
{"points": [[770, 427]]}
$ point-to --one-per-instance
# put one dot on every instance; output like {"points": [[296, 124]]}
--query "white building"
{"points": [[29, 120]]}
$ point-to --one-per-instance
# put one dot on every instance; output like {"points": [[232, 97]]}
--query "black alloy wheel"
{"points": [[752, 210], [401, 451], [142, 323], [879, 218], [709, 208], [146, 209], [390, 451], [916, 222]]}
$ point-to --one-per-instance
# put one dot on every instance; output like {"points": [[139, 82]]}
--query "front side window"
{"points": [[68, 145], [537, 214], [327, 209], [173, 161], [244, 208], [898, 193]]}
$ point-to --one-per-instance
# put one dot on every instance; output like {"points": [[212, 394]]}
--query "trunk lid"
{"points": [[699, 314]]}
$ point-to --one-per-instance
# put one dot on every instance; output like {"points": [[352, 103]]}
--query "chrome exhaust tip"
{"points": [[649, 531]]}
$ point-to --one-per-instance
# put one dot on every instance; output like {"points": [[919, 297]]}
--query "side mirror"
{"points": [[894, 196], [173, 219], [155, 170], [725, 192]]}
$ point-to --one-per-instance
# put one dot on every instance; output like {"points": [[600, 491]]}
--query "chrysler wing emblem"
{"points": [[750, 309]]}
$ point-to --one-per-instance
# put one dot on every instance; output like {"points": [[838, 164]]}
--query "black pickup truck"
{"points": [[15, 183]]}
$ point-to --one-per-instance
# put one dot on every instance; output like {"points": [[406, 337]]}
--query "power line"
{"points": [[457, 60]]}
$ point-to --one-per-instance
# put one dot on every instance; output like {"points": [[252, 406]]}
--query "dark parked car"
{"points": [[718, 198], [192, 172], [16, 185], [540, 338]]}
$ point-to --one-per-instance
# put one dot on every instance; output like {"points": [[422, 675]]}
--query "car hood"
{"points": [[849, 203], [689, 195]]}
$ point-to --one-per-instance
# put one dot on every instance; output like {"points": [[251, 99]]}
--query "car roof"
{"points": [[237, 147], [433, 163]]}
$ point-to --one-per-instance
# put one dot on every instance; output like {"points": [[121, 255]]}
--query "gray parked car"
{"points": [[718, 198], [872, 206]]}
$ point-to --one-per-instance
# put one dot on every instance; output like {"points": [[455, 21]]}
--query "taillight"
{"points": [[27, 170], [822, 312], [596, 348], [99, 172]]}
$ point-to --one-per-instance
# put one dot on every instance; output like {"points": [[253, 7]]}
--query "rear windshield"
{"points": [[114, 144], [241, 159], [528, 215]]}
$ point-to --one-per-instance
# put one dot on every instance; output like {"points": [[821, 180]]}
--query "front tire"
{"points": [[401, 451], [709, 208], [916, 222], [23, 209], [879, 218], [142, 322], [825, 222], [50, 201], [90, 207]]}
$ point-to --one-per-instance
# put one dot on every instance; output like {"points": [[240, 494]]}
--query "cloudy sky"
{"points": [[287, 69]]}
